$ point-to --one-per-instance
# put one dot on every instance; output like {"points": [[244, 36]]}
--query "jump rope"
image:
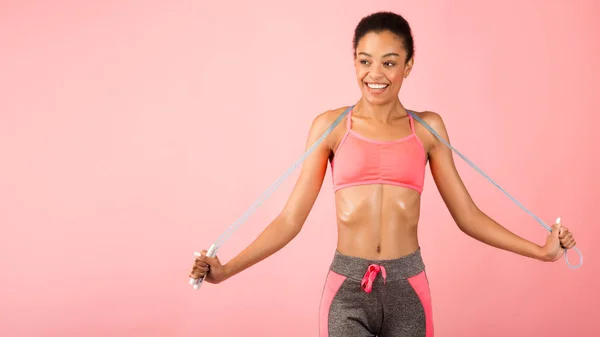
{"points": [[212, 251]]}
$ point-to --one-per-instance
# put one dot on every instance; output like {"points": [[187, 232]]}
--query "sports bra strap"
{"points": [[412, 123], [348, 118]]}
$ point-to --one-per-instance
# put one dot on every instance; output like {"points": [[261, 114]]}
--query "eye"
{"points": [[364, 62], [389, 64]]}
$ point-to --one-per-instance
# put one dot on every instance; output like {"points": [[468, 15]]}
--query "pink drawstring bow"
{"points": [[370, 275]]}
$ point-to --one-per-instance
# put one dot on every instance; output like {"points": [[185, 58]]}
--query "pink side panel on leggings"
{"points": [[420, 284], [332, 286]]}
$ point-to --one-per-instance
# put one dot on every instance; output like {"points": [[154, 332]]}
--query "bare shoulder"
{"points": [[436, 122], [322, 121], [432, 118]]}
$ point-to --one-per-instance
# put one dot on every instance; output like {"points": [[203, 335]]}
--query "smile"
{"points": [[376, 88], [377, 85]]}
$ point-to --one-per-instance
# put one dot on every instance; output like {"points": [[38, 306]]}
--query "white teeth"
{"points": [[377, 86]]}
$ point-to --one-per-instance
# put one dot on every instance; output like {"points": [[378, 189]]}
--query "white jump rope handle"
{"points": [[212, 252]]}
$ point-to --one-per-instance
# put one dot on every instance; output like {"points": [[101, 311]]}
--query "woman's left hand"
{"points": [[566, 238], [559, 239]]}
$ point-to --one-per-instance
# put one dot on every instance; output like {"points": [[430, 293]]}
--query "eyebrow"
{"points": [[386, 55]]}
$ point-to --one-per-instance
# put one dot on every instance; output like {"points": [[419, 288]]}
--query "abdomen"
{"points": [[377, 221]]}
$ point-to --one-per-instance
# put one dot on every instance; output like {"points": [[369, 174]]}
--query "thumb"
{"points": [[555, 230]]}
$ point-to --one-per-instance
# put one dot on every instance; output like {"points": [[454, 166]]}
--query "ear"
{"points": [[408, 67]]}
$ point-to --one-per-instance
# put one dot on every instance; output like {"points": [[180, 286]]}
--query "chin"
{"points": [[378, 100]]}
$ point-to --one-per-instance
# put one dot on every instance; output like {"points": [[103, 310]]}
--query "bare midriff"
{"points": [[377, 221]]}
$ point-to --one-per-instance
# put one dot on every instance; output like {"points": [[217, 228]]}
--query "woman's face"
{"points": [[381, 67]]}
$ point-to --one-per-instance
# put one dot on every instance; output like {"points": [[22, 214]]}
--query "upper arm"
{"points": [[312, 174], [444, 172]]}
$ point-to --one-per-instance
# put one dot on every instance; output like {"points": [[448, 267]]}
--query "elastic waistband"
{"points": [[400, 268]]}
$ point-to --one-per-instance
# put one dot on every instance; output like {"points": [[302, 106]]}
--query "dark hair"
{"points": [[385, 21]]}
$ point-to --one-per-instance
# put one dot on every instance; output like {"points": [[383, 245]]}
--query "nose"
{"points": [[375, 73], [374, 77]]}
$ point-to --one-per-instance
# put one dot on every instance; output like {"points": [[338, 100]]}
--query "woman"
{"points": [[377, 283]]}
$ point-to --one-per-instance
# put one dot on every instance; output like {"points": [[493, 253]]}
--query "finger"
{"points": [[203, 261], [555, 230], [556, 227], [200, 258], [569, 243], [200, 263], [212, 261], [199, 272], [566, 238], [564, 231], [202, 268]]}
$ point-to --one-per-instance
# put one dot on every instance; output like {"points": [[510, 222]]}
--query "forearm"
{"points": [[276, 236], [482, 228]]}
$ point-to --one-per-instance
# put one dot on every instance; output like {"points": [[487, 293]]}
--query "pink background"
{"points": [[132, 134]]}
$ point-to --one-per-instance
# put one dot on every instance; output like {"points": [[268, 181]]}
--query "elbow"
{"points": [[291, 224], [467, 220]]}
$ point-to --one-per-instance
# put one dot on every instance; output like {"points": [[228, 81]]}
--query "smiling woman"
{"points": [[384, 40], [377, 283]]}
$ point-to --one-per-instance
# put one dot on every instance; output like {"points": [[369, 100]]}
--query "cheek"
{"points": [[361, 73], [396, 76]]}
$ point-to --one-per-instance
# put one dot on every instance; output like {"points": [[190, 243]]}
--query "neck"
{"points": [[382, 113]]}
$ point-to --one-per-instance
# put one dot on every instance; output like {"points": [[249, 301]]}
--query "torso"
{"points": [[378, 220]]}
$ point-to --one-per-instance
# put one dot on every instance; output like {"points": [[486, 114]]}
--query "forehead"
{"points": [[379, 43]]}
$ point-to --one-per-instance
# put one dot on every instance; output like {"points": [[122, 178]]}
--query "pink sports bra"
{"points": [[360, 160]]}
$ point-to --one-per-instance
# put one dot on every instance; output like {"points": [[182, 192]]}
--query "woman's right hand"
{"points": [[209, 266]]}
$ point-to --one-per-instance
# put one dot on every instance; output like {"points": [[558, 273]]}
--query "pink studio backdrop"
{"points": [[133, 133]]}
